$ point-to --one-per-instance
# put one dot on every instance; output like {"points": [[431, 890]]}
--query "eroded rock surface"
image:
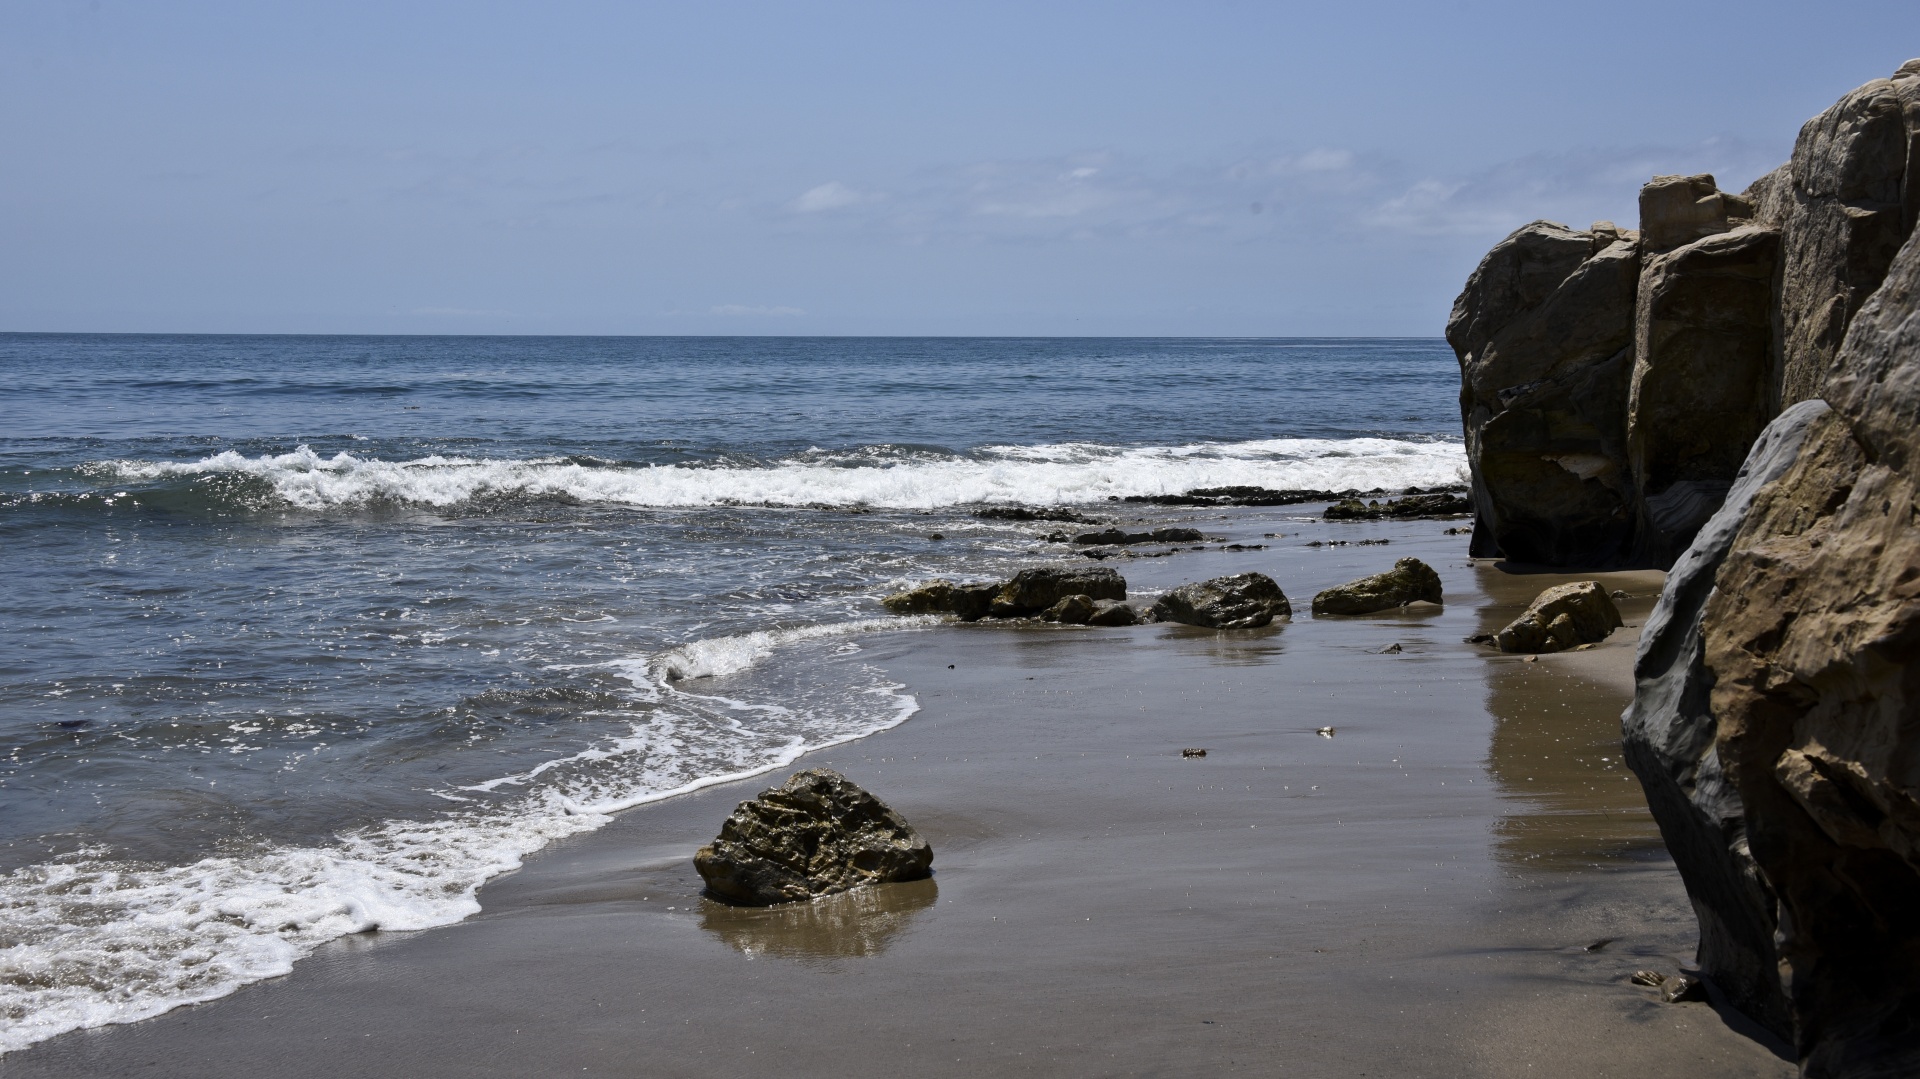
{"points": [[1409, 581], [816, 834], [1560, 618], [1669, 741], [1812, 638], [1241, 601]]}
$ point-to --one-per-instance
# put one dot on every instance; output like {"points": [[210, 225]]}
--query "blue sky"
{"points": [[1196, 168]]}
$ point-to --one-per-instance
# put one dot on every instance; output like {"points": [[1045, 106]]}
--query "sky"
{"points": [[1201, 168]]}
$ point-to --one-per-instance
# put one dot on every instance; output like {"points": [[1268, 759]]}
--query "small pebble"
{"points": [[1193, 753], [1324, 732], [1647, 978], [1682, 987], [1391, 650]]}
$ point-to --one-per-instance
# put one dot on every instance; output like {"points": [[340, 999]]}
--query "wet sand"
{"points": [[1415, 895]]}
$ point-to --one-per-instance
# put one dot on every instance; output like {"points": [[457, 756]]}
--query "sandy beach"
{"points": [[1424, 892]]}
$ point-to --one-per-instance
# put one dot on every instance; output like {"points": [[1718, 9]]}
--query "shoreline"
{"points": [[1099, 904]]}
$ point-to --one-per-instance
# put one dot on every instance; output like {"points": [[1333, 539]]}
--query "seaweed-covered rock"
{"points": [[816, 834], [1158, 535], [1034, 590], [1560, 618], [1440, 505], [1072, 610], [1108, 612], [938, 596], [1242, 601], [1409, 580]]}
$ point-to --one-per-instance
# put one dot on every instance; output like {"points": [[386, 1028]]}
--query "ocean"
{"points": [[310, 636]]}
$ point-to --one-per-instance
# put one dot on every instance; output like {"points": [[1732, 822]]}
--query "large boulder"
{"points": [[816, 834], [1669, 741], [1560, 618], [1853, 199], [1034, 590], [1812, 640], [1544, 335], [1409, 581], [1242, 601], [1701, 386]]}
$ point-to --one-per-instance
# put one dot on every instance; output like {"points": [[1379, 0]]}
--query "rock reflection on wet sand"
{"points": [[1555, 751], [850, 925]]}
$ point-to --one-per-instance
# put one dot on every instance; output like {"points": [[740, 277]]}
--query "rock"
{"points": [[1242, 601], [1393, 649], [1560, 618], [1027, 513], [1682, 987], [814, 835], [1108, 612], [1034, 590], [1647, 977], [1701, 386], [1158, 535], [1409, 580], [1853, 197], [969, 601], [1193, 753], [1324, 732], [1352, 509], [1811, 638], [1073, 610], [1236, 496], [1668, 735], [1678, 210], [1544, 335]]}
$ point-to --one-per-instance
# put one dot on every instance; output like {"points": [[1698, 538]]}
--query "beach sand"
{"points": [[1416, 895]]}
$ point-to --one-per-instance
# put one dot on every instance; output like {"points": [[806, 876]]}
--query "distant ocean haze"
{"points": [[309, 635]]}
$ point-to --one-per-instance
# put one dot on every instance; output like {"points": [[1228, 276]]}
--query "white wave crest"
{"points": [[1064, 473]]}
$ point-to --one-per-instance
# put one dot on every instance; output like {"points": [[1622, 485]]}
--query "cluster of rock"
{"points": [[1423, 505], [1614, 379], [1734, 391], [816, 834], [1256, 496], [1121, 538]]}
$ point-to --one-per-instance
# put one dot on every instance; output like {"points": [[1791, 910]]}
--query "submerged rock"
{"points": [[1561, 617], [1034, 590], [1410, 580], [816, 834], [1242, 601]]}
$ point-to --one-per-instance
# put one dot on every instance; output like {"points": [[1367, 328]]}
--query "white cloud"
{"points": [[832, 195], [739, 310]]}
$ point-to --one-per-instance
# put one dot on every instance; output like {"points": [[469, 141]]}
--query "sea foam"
{"points": [[880, 477], [91, 940]]}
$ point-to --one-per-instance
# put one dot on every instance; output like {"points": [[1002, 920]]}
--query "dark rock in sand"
{"points": [[1668, 734], [1408, 581], [1682, 987], [1193, 753], [1649, 978], [1353, 509], [814, 835], [1158, 535], [1034, 590], [1072, 610], [1561, 617], [1108, 612], [1242, 601]]}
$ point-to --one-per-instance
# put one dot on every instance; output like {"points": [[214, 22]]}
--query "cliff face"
{"points": [[1613, 380], [1760, 434]]}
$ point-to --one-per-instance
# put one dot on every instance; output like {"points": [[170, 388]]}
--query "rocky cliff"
{"points": [[1612, 380], [1741, 403]]}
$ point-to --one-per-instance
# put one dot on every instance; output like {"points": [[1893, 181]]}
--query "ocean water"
{"points": [[306, 636]]}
